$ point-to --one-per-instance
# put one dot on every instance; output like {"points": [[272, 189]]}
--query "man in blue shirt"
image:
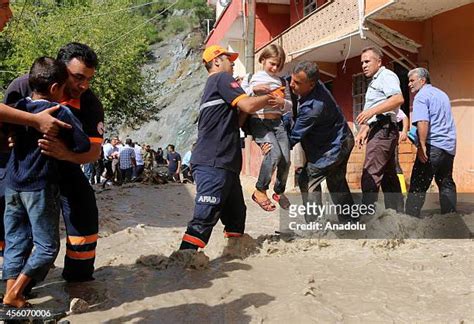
{"points": [[379, 131], [127, 160], [325, 137], [217, 158], [436, 131]]}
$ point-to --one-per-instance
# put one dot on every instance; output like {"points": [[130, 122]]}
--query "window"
{"points": [[309, 6], [359, 88]]}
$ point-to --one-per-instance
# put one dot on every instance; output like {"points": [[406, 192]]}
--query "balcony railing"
{"points": [[329, 19]]}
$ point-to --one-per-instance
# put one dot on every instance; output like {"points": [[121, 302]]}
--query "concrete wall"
{"points": [[448, 53]]}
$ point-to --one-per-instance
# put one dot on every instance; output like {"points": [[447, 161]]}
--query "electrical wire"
{"points": [[139, 26]]}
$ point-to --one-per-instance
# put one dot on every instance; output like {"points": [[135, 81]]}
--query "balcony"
{"points": [[335, 19]]}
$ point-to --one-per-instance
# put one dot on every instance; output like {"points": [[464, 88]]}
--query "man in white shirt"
{"points": [[140, 164]]}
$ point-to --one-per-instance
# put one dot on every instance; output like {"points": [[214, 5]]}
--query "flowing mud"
{"points": [[267, 276]]}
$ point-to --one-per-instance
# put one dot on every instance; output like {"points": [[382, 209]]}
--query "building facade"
{"points": [[332, 33]]}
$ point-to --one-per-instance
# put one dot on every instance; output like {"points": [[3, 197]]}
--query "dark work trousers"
{"points": [[218, 196], [439, 166], [311, 177], [380, 167], [81, 218]]}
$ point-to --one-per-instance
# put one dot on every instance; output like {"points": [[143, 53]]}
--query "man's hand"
{"points": [[277, 102], [262, 89], [266, 148], [364, 116], [403, 137], [54, 147], [47, 124], [421, 154], [361, 137]]}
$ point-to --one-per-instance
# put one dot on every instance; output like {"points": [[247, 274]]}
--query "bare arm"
{"points": [[242, 118], [385, 106], [56, 148], [42, 121], [422, 128], [253, 104], [406, 125], [404, 132], [361, 137]]}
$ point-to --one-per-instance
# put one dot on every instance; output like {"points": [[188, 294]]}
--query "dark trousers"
{"points": [[218, 196], [99, 169], [380, 167], [311, 177], [439, 166], [126, 174], [81, 218]]}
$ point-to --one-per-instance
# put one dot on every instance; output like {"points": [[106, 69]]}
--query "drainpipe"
{"points": [[361, 5], [244, 19], [249, 65]]}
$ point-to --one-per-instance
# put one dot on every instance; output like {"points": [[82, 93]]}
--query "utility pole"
{"points": [[250, 37], [249, 64]]}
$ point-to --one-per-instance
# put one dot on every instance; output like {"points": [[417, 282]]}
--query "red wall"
{"points": [[225, 21], [342, 85], [270, 22]]}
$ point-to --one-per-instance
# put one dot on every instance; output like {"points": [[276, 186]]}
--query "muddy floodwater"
{"points": [[268, 276]]}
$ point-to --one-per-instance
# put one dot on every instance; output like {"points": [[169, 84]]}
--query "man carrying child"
{"points": [[32, 189]]}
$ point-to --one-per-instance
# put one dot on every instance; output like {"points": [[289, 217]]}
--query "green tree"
{"points": [[118, 34]]}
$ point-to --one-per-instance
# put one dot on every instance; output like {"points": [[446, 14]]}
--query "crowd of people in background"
{"points": [[125, 162]]}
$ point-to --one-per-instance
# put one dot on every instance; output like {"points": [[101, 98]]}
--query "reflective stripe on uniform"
{"points": [[80, 240], [194, 240], [96, 140], [232, 234], [80, 255], [236, 100], [211, 103]]}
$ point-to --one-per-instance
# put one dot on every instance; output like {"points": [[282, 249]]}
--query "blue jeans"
{"points": [[41, 210], [272, 131]]}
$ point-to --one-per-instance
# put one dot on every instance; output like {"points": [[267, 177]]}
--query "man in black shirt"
{"points": [[78, 202]]}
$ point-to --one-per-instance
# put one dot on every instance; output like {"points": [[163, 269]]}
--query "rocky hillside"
{"points": [[177, 81]]}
